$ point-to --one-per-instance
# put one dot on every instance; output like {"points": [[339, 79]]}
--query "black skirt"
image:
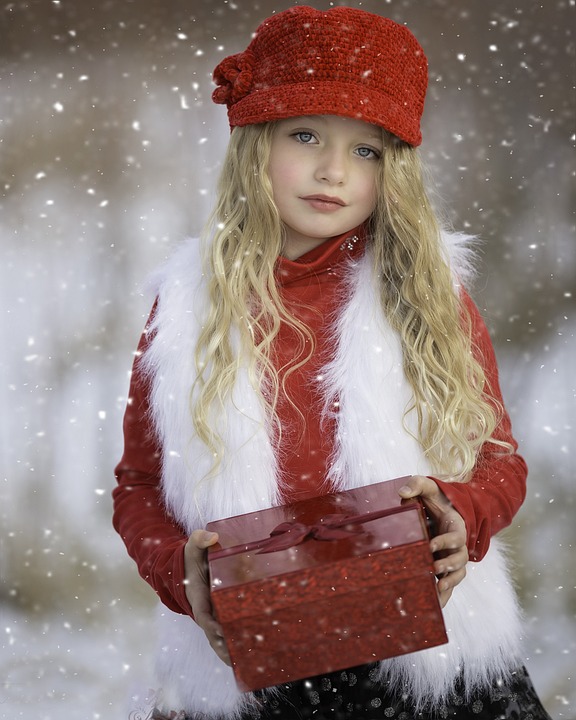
{"points": [[354, 695]]}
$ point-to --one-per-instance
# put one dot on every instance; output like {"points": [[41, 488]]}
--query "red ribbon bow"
{"points": [[289, 534]]}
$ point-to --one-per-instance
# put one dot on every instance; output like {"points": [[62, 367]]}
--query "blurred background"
{"points": [[109, 150]]}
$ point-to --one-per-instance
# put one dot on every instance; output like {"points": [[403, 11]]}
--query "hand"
{"points": [[449, 543], [198, 591]]}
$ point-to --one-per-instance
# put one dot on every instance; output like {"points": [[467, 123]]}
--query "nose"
{"points": [[332, 167]]}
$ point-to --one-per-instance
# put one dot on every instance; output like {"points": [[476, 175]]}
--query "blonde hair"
{"points": [[455, 416], [245, 237]]}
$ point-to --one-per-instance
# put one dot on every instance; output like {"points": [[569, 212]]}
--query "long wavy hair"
{"points": [[244, 238]]}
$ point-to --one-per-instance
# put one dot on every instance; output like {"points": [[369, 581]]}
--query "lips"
{"points": [[324, 203], [325, 198]]}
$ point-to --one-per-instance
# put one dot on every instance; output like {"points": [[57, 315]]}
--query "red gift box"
{"points": [[324, 584]]}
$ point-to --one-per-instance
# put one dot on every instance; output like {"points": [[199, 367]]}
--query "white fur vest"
{"points": [[482, 617]]}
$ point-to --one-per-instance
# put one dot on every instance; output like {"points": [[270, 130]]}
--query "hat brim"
{"points": [[326, 98]]}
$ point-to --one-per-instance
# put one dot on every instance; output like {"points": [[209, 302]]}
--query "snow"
{"points": [[58, 669], [110, 149]]}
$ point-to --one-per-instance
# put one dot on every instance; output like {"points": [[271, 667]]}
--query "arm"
{"points": [[152, 539], [172, 563]]}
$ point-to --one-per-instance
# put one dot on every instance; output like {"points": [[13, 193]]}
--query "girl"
{"points": [[324, 341]]}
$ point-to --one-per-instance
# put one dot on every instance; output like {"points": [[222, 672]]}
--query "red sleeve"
{"points": [[497, 488], [151, 537]]}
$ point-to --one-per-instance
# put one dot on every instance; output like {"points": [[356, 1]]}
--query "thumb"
{"points": [[411, 488], [406, 491], [204, 538], [415, 485]]}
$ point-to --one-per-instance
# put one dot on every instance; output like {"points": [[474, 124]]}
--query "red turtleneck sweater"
{"points": [[310, 288]]}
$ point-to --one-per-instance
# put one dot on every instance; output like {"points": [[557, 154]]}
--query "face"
{"points": [[323, 171]]}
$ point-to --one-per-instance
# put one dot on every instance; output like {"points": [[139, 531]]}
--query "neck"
{"points": [[296, 247]]}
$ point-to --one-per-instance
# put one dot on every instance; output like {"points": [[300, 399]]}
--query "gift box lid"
{"points": [[268, 545]]}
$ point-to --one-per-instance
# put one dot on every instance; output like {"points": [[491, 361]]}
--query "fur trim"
{"points": [[372, 444], [247, 478], [461, 255], [482, 616], [483, 624], [191, 675]]}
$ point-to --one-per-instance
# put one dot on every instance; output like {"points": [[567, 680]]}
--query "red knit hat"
{"points": [[342, 61]]}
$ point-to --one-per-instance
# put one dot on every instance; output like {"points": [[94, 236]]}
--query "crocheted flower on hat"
{"points": [[234, 78]]}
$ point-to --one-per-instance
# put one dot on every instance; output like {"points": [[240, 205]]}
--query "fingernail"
{"points": [[405, 489]]}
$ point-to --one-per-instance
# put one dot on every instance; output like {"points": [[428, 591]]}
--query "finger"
{"points": [[451, 563], [436, 503], [198, 592], [195, 551], [211, 627], [197, 589], [213, 631], [448, 542], [449, 581], [444, 596], [202, 610], [202, 539], [219, 646], [418, 485]]}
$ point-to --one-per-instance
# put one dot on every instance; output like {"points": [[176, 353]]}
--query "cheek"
{"points": [[281, 167], [284, 169], [284, 177], [278, 173], [369, 190]]}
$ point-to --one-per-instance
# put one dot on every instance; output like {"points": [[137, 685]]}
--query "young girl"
{"points": [[324, 341]]}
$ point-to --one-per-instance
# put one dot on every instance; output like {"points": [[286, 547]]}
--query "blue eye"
{"points": [[304, 137], [369, 153]]}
